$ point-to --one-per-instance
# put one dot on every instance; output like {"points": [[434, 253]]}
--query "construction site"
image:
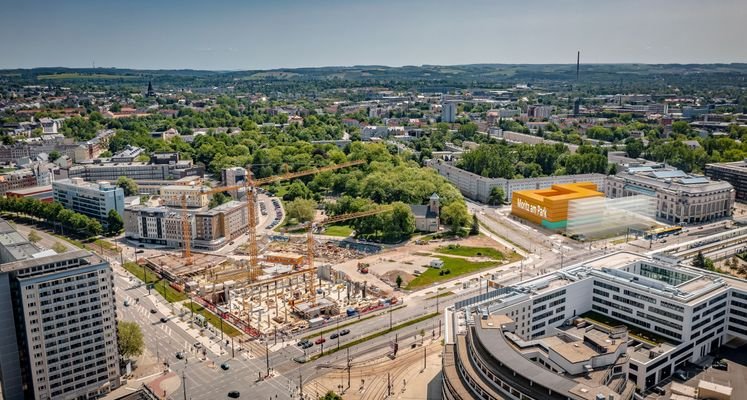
{"points": [[274, 283]]}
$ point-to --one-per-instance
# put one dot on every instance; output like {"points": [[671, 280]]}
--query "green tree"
{"points": [[128, 185], [331, 396], [54, 155], [496, 198], [634, 148], [300, 209], [59, 248], [456, 216], [218, 199], [475, 225], [114, 223], [399, 281], [144, 158], [699, 261], [129, 339], [33, 236]]}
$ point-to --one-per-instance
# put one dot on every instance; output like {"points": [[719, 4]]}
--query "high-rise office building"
{"points": [[58, 329], [94, 200], [448, 112]]}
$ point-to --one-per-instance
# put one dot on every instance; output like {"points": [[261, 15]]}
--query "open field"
{"points": [[338, 230], [457, 266], [467, 251]]}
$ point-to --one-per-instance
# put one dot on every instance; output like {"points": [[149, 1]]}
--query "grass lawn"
{"points": [[160, 285], [637, 333], [457, 266], [213, 319], [467, 251], [338, 230]]}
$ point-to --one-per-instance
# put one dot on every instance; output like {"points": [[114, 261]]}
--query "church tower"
{"points": [[434, 204], [151, 92]]}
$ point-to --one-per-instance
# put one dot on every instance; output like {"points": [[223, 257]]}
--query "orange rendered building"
{"points": [[549, 207]]}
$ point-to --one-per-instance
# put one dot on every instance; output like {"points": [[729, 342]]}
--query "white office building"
{"points": [[94, 200], [667, 314], [448, 112]]}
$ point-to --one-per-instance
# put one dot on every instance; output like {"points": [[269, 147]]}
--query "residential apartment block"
{"points": [[539, 339], [58, 337], [209, 229], [94, 200]]}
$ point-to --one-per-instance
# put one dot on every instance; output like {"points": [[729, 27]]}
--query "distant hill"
{"points": [[456, 75]]}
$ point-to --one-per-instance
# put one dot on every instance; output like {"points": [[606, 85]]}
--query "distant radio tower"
{"points": [[578, 64]]}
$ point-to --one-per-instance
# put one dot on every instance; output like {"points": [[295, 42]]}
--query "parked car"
{"points": [[320, 340], [153, 311], [139, 251], [344, 332], [302, 342], [234, 394], [334, 335], [197, 345], [307, 345], [720, 365]]}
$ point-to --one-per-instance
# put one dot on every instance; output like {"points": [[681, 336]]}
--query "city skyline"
{"points": [[253, 35]]}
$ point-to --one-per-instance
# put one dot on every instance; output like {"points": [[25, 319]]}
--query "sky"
{"points": [[248, 34]]}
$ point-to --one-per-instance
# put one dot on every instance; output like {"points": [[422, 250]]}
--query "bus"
{"points": [[658, 233]]}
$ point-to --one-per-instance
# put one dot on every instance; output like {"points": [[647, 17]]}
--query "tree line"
{"points": [[54, 214]]}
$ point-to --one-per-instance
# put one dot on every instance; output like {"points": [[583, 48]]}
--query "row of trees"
{"points": [[512, 161], [54, 214]]}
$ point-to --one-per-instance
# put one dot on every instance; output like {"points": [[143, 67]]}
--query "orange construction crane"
{"points": [[331, 220], [249, 185]]}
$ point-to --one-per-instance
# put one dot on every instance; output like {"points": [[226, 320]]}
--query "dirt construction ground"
{"points": [[408, 258]]}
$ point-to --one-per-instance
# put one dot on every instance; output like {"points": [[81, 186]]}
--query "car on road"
{"points": [[179, 355], [234, 394], [197, 345], [320, 340], [164, 320], [302, 342], [344, 332], [307, 345], [140, 251], [225, 366], [153, 311], [126, 303], [334, 335], [720, 365]]}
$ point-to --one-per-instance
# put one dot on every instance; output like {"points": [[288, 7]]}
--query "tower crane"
{"points": [[249, 185]]}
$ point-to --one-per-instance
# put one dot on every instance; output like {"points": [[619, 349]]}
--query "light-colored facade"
{"points": [[94, 200], [194, 196], [684, 314], [680, 197], [210, 229], [478, 188], [57, 325], [448, 112], [134, 170]]}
